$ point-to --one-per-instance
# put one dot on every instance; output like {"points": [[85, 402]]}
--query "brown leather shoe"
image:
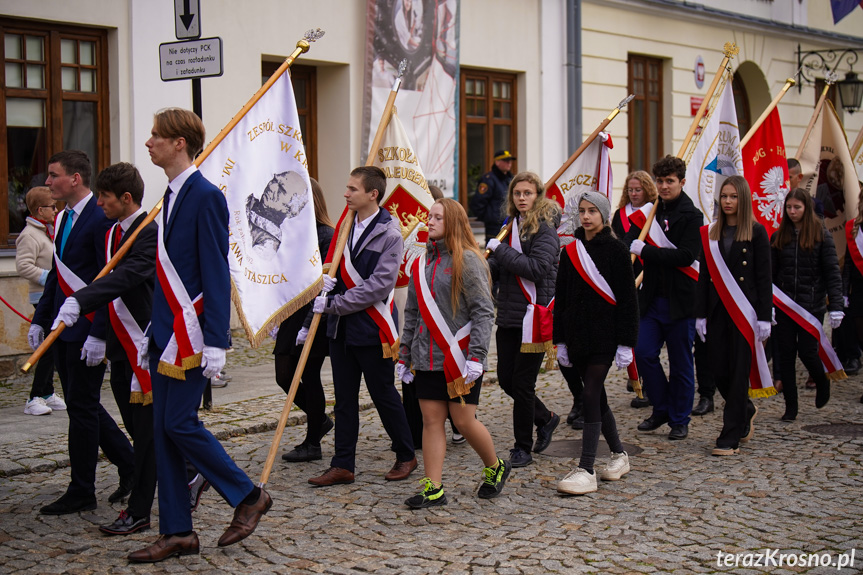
{"points": [[401, 470], [246, 518], [333, 476], [167, 546]]}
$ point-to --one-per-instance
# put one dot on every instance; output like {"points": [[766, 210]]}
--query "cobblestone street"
{"points": [[790, 489]]}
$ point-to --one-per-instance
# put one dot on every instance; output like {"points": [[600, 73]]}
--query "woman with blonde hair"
{"points": [[638, 191], [525, 267], [736, 284], [445, 338]]}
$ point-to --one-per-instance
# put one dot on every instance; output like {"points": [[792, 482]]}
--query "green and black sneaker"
{"points": [[430, 496], [493, 479]]}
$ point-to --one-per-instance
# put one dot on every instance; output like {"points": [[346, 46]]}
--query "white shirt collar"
{"points": [[127, 223], [79, 207], [360, 227], [177, 183]]}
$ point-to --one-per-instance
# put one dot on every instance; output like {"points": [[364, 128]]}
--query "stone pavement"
{"points": [[790, 489]]}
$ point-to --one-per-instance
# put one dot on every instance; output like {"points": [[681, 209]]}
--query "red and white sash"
{"points": [[656, 237], [184, 349], [742, 314], [832, 366], [634, 216], [855, 244], [537, 325], [588, 271], [381, 313], [129, 334], [451, 344], [68, 280]]}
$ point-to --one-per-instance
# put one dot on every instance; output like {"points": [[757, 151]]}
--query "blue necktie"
{"points": [[68, 220]]}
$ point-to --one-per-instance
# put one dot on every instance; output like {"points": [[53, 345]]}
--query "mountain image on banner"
{"points": [[589, 172], [716, 156], [765, 168], [273, 254]]}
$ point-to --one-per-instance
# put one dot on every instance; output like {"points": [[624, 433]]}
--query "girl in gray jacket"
{"points": [[448, 322]]}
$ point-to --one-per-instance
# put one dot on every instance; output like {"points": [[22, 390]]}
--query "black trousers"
{"points": [[732, 380], [310, 392], [43, 375], [793, 340], [516, 372], [703, 373], [574, 382], [90, 426], [350, 365]]}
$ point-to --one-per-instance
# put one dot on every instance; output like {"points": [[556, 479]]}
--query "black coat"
{"points": [[680, 220], [489, 198], [617, 227], [852, 287], [537, 263], [809, 276], [583, 320]]}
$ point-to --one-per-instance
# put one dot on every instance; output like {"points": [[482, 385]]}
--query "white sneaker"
{"points": [[37, 406], [617, 467], [578, 482], [458, 438], [55, 402]]}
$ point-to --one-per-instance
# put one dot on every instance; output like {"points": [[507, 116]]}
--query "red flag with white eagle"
{"points": [[765, 167], [589, 172]]}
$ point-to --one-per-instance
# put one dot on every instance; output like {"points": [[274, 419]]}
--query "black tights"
{"points": [[597, 415], [310, 393]]}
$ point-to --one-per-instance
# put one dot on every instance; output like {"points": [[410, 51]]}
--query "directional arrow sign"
{"points": [[187, 19]]}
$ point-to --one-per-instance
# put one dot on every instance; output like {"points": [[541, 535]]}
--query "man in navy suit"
{"points": [[79, 246], [187, 340]]}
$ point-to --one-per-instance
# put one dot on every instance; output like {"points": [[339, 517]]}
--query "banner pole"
{"points": [[341, 242], [788, 83], [858, 143], [814, 117]]}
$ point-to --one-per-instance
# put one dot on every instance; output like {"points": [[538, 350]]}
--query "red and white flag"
{"points": [[765, 167]]}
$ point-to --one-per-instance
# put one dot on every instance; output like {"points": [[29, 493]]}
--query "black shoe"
{"points": [[639, 403], [852, 367], [578, 423], [629, 387], [678, 432], [196, 490], [123, 490], [326, 427], [518, 457], [125, 525], [573, 413], [66, 505], [653, 422], [544, 433], [303, 452], [705, 405], [822, 393]]}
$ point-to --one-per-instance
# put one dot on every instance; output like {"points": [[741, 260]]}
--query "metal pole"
{"points": [[196, 98]]}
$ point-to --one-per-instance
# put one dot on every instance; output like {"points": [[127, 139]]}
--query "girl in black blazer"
{"points": [[745, 250]]}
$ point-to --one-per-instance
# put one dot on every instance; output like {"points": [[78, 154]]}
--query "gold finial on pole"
{"points": [[730, 49]]}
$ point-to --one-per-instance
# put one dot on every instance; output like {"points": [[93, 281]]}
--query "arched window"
{"points": [[741, 103]]}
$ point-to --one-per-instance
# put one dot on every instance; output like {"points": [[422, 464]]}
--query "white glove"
{"points": [[404, 372], [472, 371], [836, 318], [319, 304], [93, 352], [773, 316], [623, 356], [68, 314], [563, 355], [213, 361], [144, 353], [35, 336], [329, 283], [762, 330], [701, 328], [492, 244], [845, 302], [636, 246], [302, 335], [274, 333]]}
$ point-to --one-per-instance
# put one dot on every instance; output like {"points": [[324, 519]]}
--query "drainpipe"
{"points": [[573, 74]]}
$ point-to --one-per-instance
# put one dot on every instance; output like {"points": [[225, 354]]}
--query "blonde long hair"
{"points": [[647, 185], [459, 239], [745, 219], [543, 210]]}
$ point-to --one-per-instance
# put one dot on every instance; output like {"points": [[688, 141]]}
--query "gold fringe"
{"points": [[176, 372], [148, 398], [550, 356], [136, 397], [837, 375], [459, 388], [283, 313], [532, 348], [391, 351], [763, 392]]}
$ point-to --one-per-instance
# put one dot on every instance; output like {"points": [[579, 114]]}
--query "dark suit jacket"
{"points": [[196, 240], [84, 254], [132, 280]]}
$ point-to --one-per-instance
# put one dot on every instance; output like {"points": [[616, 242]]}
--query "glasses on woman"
{"points": [[51, 207], [523, 194]]}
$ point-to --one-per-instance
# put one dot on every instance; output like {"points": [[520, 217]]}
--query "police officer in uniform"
{"points": [[487, 203]]}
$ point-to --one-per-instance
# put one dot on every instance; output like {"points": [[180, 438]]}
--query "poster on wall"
{"points": [[425, 33]]}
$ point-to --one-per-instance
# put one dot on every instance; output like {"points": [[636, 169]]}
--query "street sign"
{"points": [[187, 19], [190, 59]]}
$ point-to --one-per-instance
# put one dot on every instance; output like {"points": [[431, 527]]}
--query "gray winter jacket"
{"points": [[474, 304]]}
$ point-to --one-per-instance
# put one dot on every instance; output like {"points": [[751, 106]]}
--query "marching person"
{"points": [[666, 300], [34, 250], [361, 325], [450, 295], [852, 273], [289, 345], [806, 269], [186, 342], [525, 264], [489, 199], [734, 288], [79, 352], [595, 323]]}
